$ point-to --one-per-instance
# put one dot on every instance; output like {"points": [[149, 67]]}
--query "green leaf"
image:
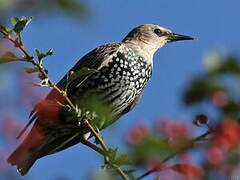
{"points": [[85, 71], [151, 148], [117, 158], [111, 154], [73, 7], [20, 24], [14, 20], [81, 73], [50, 52], [200, 89], [101, 111], [231, 65], [8, 57], [41, 55], [122, 160], [31, 70], [5, 29]]}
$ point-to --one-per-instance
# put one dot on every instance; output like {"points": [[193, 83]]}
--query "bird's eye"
{"points": [[158, 32]]}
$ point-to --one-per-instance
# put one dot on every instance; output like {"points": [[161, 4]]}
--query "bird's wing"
{"points": [[95, 59]]}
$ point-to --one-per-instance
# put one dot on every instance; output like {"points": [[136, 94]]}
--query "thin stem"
{"points": [[189, 145], [105, 149], [100, 151], [92, 146], [121, 173], [97, 136]]}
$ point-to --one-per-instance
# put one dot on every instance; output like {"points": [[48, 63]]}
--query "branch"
{"points": [[97, 136], [105, 151], [92, 146], [183, 149]]}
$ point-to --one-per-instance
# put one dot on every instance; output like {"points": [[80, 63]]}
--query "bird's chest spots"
{"points": [[124, 71]]}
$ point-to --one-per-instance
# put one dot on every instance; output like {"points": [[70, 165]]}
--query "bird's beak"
{"points": [[178, 37]]}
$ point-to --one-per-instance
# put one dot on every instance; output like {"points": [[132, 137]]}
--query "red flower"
{"points": [[215, 156], [137, 133], [227, 135], [174, 130], [225, 139]]}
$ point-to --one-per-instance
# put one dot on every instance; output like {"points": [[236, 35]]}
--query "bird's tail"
{"points": [[39, 141], [37, 145], [22, 158], [27, 152]]}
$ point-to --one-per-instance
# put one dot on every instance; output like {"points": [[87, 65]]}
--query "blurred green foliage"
{"points": [[149, 150], [73, 8], [217, 86], [200, 89]]}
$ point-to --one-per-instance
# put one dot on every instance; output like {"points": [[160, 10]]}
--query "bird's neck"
{"points": [[142, 48]]}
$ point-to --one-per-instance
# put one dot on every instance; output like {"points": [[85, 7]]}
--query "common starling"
{"points": [[122, 71]]}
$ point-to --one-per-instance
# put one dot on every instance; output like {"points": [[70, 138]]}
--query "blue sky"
{"points": [[214, 23]]}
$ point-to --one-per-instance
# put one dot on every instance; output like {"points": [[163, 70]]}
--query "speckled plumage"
{"points": [[123, 70], [119, 82]]}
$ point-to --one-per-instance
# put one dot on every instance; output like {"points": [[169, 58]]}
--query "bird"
{"points": [[122, 70]]}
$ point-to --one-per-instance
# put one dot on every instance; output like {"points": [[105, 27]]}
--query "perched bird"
{"points": [[122, 71]]}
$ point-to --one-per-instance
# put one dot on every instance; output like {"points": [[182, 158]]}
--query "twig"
{"points": [[189, 145], [92, 146], [121, 173], [100, 151], [97, 136], [106, 149]]}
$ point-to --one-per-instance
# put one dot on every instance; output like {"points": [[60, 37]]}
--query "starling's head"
{"points": [[153, 37]]}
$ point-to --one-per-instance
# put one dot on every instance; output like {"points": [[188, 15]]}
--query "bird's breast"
{"points": [[120, 81]]}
